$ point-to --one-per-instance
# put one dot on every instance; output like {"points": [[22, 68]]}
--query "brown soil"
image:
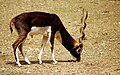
{"points": [[101, 54]]}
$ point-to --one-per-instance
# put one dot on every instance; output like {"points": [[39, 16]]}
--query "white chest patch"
{"points": [[40, 30]]}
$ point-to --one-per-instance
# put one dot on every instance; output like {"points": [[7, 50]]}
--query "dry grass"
{"points": [[101, 54]]}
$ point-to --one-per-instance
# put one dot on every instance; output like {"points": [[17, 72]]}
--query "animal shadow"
{"points": [[36, 62]]}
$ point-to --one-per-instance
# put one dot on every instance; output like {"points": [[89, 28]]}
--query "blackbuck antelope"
{"points": [[48, 25]]}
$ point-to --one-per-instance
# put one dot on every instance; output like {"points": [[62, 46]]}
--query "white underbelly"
{"points": [[40, 30], [45, 31]]}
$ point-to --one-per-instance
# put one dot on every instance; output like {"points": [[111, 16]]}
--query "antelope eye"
{"points": [[78, 50]]}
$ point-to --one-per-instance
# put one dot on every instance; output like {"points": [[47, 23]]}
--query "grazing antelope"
{"points": [[48, 25]]}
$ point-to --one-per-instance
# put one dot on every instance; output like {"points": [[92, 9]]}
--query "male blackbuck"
{"points": [[48, 25]]}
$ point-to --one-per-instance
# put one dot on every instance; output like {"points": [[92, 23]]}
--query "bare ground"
{"points": [[101, 54]]}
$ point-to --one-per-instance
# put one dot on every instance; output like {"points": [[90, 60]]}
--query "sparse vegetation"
{"points": [[101, 54]]}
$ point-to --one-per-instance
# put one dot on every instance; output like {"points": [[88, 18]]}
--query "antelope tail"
{"points": [[11, 25]]}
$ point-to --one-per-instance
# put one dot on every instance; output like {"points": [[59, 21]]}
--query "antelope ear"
{"points": [[76, 45], [80, 40]]}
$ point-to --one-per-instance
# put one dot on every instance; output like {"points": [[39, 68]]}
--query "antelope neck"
{"points": [[67, 41]]}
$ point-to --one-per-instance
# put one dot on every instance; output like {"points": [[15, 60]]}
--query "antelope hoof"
{"points": [[27, 61], [18, 63], [40, 62], [55, 62]]}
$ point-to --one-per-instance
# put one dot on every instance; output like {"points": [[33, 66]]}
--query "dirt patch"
{"points": [[101, 54]]}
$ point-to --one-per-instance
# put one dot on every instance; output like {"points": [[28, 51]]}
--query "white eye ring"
{"points": [[78, 50]]}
